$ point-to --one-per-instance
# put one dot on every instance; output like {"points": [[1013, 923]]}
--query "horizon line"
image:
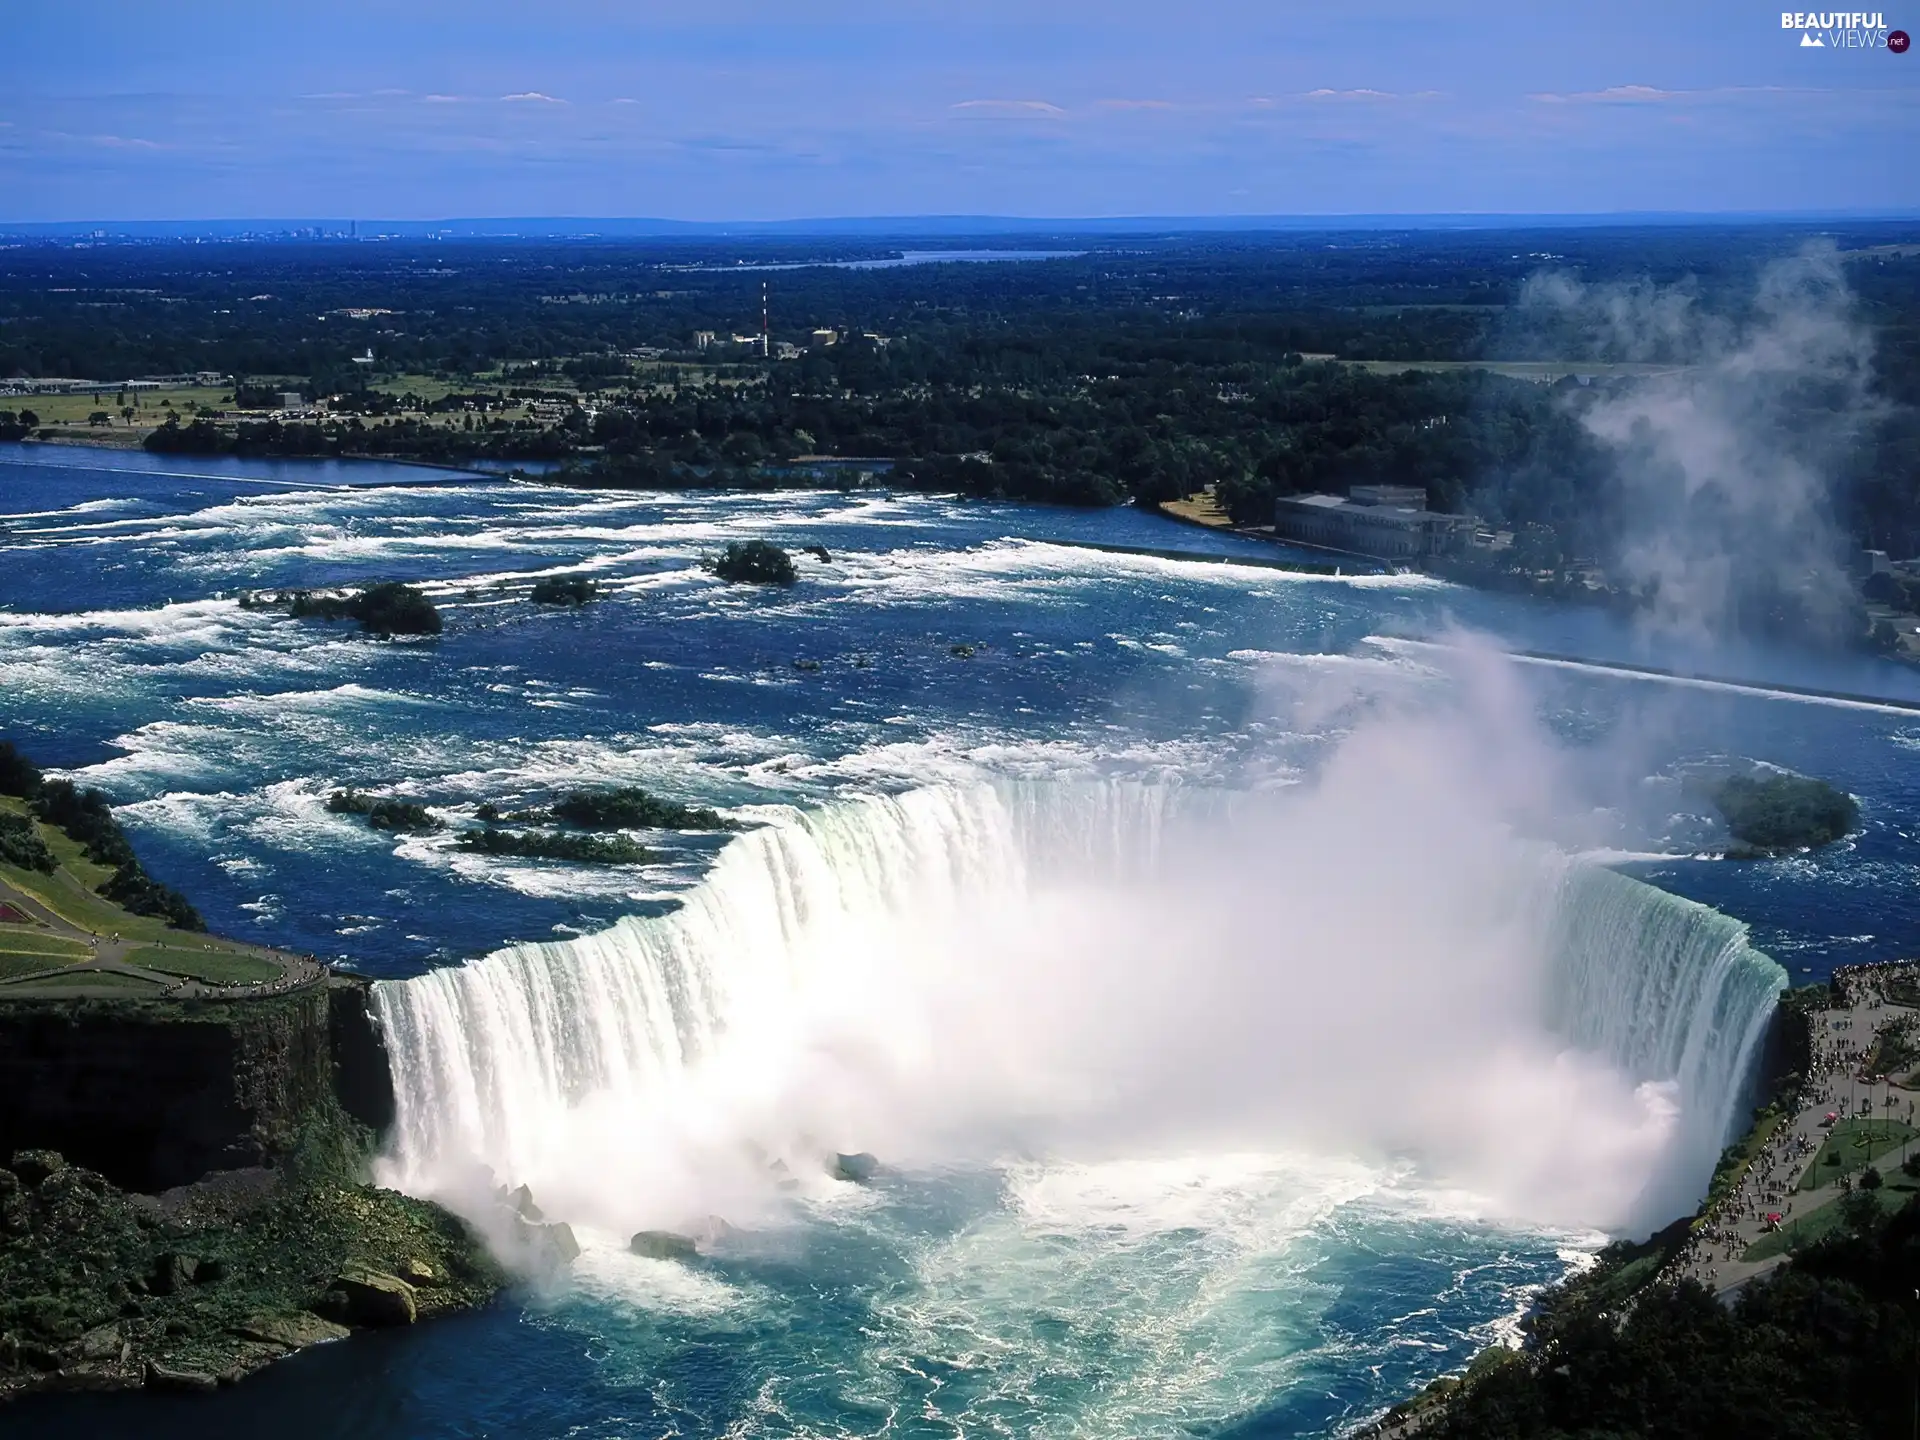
{"points": [[590, 226]]}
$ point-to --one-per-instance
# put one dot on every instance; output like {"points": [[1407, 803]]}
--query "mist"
{"points": [[1371, 963], [1724, 456]]}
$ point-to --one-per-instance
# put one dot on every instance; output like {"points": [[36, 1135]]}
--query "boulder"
{"points": [[290, 1332], [33, 1166], [419, 1272], [521, 1203], [373, 1297], [165, 1377], [858, 1169], [664, 1245], [547, 1246], [104, 1343], [173, 1273]]}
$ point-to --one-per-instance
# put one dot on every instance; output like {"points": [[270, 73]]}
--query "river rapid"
{"points": [[1253, 988]]}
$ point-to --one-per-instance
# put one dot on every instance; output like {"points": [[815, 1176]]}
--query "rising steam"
{"points": [[1724, 463], [1377, 963]]}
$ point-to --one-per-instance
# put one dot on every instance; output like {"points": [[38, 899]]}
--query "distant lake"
{"points": [[905, 257]]}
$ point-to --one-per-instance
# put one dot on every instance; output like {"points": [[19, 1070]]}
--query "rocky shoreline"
{"points": [[237, 1225], [198, 1286]]}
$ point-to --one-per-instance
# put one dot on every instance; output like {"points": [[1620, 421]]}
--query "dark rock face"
{"points": [[362, 1078], [157, 1096]]}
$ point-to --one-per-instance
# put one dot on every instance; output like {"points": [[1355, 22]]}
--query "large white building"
{"points": [[1391, 522]]}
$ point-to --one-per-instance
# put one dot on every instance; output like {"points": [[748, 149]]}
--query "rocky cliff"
{"points": [[155, 1095], [182, 1197]]}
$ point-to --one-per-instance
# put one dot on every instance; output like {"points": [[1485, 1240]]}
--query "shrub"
{"points": [[755, 562], [18, 775], [20, 844], [564, 590], [395, 815], [594, 849], [633, 809], [388, 608]]}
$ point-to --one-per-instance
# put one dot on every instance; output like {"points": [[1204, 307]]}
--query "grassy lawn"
{"points": [[1853, 1145], [219, 967], [74, 409], [18, 940], [14, 966], [1805, 1229], [69, 894]]}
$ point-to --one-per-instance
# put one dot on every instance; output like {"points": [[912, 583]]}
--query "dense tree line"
{"points": [[87, 818], [1137, 369], [1827, 1348]]}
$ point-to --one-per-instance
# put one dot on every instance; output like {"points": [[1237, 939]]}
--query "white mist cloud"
{"points": [[1725, 461], [1366, 968]]}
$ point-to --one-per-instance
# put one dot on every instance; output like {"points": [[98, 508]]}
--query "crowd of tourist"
{"points": [[1869, 999]]}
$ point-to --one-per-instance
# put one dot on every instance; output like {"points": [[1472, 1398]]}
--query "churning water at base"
{"points": [[1089, 1224]]}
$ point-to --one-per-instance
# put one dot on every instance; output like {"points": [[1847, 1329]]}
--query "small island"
{"points": [[533, 845], [402, 816], [631, 808], [574, 590], [387, 609], [1771, 814], [755, 562]]}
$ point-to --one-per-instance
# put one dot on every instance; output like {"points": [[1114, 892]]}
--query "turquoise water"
{"points": [[1145, 1234]]}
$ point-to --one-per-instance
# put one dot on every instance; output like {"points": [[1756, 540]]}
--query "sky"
{"points": [[748, 110]]}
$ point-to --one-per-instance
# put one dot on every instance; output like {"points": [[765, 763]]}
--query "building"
{"points": [[1391, 522], [820, 339], [703, 339]]}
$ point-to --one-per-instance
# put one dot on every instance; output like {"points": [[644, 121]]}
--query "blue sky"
{"points": [[739, 109]]}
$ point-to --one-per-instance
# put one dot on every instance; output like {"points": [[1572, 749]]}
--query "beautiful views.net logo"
{"points": [[1843, 30]]}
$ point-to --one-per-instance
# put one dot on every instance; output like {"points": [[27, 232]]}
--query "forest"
{"points": [[1119, 370]]}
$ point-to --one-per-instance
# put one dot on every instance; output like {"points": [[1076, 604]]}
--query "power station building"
{"points": [[1391, 522]]}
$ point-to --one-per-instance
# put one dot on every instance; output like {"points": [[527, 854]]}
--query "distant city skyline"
{"points": [[728, 111]]}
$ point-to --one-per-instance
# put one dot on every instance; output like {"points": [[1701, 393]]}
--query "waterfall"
{"points": [[1667, 988], [484, 1055], [810, 913]]}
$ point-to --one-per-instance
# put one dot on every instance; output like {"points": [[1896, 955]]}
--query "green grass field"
{"points": [[74, 409], [14, 965], [69, 893], [1806, 1229], [218, 967], [1853, 1145], [18, 940]]}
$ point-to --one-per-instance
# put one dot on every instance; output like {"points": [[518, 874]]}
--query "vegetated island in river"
{"points": [[387, 609], [625, 808], [1772, 814], [187, 1123]]}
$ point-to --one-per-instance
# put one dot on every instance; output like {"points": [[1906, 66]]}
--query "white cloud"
{"points": [[1009, 108], [534, 96]]}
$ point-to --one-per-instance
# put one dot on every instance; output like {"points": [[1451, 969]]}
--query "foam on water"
{"points": [[649, 1074]]}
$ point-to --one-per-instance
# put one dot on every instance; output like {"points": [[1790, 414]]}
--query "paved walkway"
{"points": [[1842, 1038]]}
